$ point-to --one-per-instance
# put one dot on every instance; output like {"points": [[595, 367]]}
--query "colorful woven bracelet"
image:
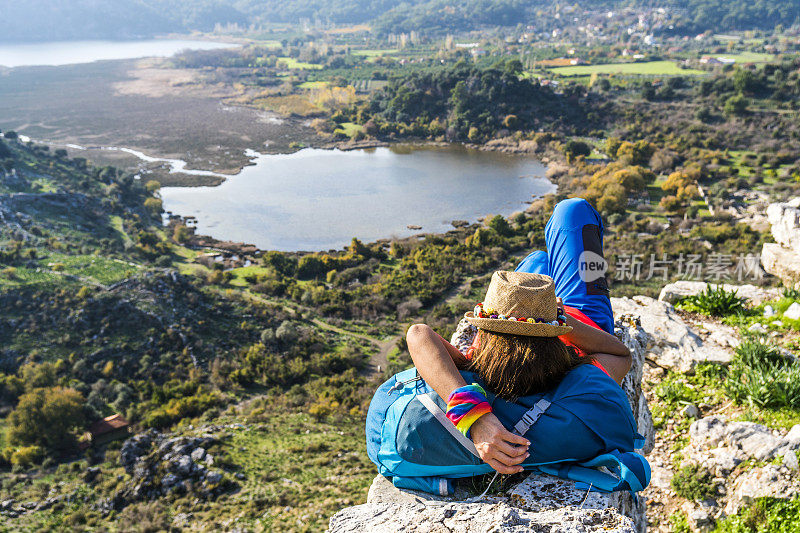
{"points": [[466, 405]]}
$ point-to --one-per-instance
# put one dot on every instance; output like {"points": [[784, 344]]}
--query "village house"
{"points": [[111, 428]]}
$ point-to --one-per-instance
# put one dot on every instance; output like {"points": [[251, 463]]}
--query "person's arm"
{"points": [[607, 349], [435, 361], [592, 340]]}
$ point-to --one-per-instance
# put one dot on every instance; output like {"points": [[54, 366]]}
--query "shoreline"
{"points": [[186, 177]]}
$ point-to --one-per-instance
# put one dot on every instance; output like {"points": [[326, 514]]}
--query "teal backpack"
{"points": [[583, 424]]}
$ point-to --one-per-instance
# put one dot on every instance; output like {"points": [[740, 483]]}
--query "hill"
{"points": [[128, 19]]}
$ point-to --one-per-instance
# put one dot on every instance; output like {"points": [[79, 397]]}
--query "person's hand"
{"points": [[560, 305], [498, 447]]}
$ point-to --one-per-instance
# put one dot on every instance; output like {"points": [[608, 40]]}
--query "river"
{"points": [[74, 52], [316, 200]]}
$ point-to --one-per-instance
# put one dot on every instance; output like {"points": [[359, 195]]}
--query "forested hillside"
{"points": [[80, 19]]}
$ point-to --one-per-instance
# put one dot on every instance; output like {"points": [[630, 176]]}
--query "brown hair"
{"points": [[519, 365]]}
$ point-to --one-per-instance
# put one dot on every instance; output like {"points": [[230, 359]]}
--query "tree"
{"points": [[603, 84], [47, 417], [284, 264], [37, 376], [736, 106], [746, 82], [575, 148], [181, 233], [5, 151], [153, 205], [310, 266], [613, 200], [638, 153], [500, 225], [513, 67]]}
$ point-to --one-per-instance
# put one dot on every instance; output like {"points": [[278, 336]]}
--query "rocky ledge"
{"points": [[782, 258], [540, 503]]}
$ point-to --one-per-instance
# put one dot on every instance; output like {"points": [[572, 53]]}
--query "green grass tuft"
{"points": [[713, 301], [761, 376], [771, 515], [693, 482]]}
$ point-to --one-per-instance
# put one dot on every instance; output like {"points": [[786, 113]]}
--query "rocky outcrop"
{"points": [[540, 503], [673, 292], [782, 258], [675, 344], [721, 446], [161, 464]]}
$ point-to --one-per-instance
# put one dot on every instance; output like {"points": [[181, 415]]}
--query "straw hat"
{"points": [[520, 303]]}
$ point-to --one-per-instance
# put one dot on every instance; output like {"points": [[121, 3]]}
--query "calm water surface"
{"points": [[71, 52], [321, 199]]}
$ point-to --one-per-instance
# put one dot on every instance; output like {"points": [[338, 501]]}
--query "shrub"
{"points": [[791, 292], [713, 301], [180, 408], [693, 482], [27, 456], [736, 105], [46, 417], [759, 375], [679, 523], [145, 517], [9, 273]]}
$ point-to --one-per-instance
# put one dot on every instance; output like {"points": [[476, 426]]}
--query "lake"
{"points": [[73, 52], [316, 199]]}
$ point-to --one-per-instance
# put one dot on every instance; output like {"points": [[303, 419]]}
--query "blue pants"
{"points": [[574, 259]]}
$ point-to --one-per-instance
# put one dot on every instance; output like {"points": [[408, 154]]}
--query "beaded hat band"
{"points": [[520, 303]]}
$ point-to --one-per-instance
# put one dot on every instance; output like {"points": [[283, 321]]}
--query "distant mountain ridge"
{"points": [[38, 20]]}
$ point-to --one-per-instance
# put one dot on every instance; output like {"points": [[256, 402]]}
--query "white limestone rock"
{"points": [[785, 221], [721, 445], [793, 313], [708, 432], [673, 292], [756, 441], [675, 344], [770, 481], [790, 460], [794, 435], [782, 258], [781, 262], [540, 503], [698, 517]]}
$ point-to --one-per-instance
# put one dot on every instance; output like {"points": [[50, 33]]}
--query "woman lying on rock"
{"points": [[534, 326]]}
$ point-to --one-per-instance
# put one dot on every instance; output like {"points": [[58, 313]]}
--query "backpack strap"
{"points": [[531, 416], [623, 471], [437, 412]]}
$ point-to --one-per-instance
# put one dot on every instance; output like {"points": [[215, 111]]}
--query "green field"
{"points": [[748, 57], [349, 128], [375, 53], [313, 84], [292, 63], [649, 68]]}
